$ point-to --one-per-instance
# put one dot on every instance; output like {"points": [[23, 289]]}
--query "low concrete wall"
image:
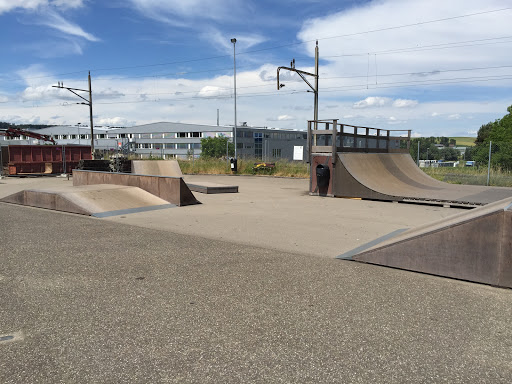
{"points": [[171, 189]]}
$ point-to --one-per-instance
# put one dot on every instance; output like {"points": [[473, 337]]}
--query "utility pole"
{"points": [[87, 102], [233, 40], [302, 74]]}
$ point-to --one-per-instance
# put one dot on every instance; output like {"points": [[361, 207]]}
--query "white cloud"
{"points": [[434, 114], [180, 13], [52, 19], [455, 116], [223, 40], [281, 118], [404, 103], [212, 91], [114, 121], [10, 5], [372, 101]]}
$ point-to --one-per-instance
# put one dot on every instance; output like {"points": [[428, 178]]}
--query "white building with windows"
{"points": [[175, 140]]}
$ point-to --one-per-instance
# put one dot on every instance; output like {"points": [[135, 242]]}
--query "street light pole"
{"points": [[233, 40]]}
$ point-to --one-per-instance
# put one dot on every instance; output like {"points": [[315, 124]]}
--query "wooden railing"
{"points": [[329, 136]]}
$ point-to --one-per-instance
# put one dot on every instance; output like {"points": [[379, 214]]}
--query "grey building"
{"points": [[176, 140]]}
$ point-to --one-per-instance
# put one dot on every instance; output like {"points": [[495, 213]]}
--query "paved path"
{"points": [[90, 300]]}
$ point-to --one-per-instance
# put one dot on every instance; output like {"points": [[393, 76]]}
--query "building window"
{"points": [[145, 136], [276, 152], [196, 134], [239, 145], [170, 146], [258, 145], [195, 146], [144, 146], [182, 146], [181, 135], [64, 137]]}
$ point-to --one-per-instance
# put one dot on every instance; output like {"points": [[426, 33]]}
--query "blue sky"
{"points": [[435, 67]]}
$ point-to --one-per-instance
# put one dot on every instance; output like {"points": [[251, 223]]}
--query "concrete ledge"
{"points": [[171, 189], [210, 188]]}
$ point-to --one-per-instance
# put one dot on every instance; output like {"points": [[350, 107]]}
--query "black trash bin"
{"points": [[323, 175], [234, 164]]}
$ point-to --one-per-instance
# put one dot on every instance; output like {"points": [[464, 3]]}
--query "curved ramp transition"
{"points": [[396, 177]]}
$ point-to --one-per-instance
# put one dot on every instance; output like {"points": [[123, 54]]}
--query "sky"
{"points": [[436, 67]]}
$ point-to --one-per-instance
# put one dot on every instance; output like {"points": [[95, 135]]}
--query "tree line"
{"points": [[498, 133], [429, 150]]}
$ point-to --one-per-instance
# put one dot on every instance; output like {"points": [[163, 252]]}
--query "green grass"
{"points": [[282, 168], [471, 176], [464, 141]]}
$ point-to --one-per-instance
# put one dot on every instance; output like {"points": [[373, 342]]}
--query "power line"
{"points": [[427, 47], [280, 46], [433, 72]]}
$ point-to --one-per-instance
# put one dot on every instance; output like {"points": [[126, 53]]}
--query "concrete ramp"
{"points": [[92, 200], [474, 246], [157, 167], [172, 168], [172, 189], [396, 177]]}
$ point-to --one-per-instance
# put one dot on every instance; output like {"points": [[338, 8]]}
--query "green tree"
{"points": [[215, 147], [448, 154], [499, 133]]}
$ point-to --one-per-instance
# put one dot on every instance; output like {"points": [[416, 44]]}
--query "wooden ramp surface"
{"points": [[474, 245], [395, 177], [172, 168], [98, 200]]}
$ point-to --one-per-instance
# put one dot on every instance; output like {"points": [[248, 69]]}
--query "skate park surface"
{"points": [[242, 288]]}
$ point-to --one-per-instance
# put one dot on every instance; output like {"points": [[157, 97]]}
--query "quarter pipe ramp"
{"points": [[395, 177]]}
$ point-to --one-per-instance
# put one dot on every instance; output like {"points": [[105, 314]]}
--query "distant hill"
{"points": [[4, 125], [464, 141]]}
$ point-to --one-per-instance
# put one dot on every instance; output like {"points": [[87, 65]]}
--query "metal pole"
{"points": [[316, 84], [90, 116], [217, 117], [418, 155], [489, 163], [234, 78], [1, 162], [227, 151]]}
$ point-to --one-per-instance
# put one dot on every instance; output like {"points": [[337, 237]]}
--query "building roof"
{"points": [[69, 129], [172, 127]]}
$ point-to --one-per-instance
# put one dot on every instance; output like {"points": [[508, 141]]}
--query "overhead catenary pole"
{"points": [[87, 102], [316, 86], [302, 74], [233, 40], [90, 116]]}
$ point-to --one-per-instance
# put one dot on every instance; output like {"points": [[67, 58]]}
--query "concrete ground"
{"points": [[276, 213], [239, 289]]}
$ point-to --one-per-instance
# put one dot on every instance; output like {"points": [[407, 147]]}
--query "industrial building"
{"points": [[176, 140]]}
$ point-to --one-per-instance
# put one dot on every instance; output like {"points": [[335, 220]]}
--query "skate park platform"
{"points": [[474, 246], [375, 164], [172, 168], [100, 200], [371, 163], [172, 189]]}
